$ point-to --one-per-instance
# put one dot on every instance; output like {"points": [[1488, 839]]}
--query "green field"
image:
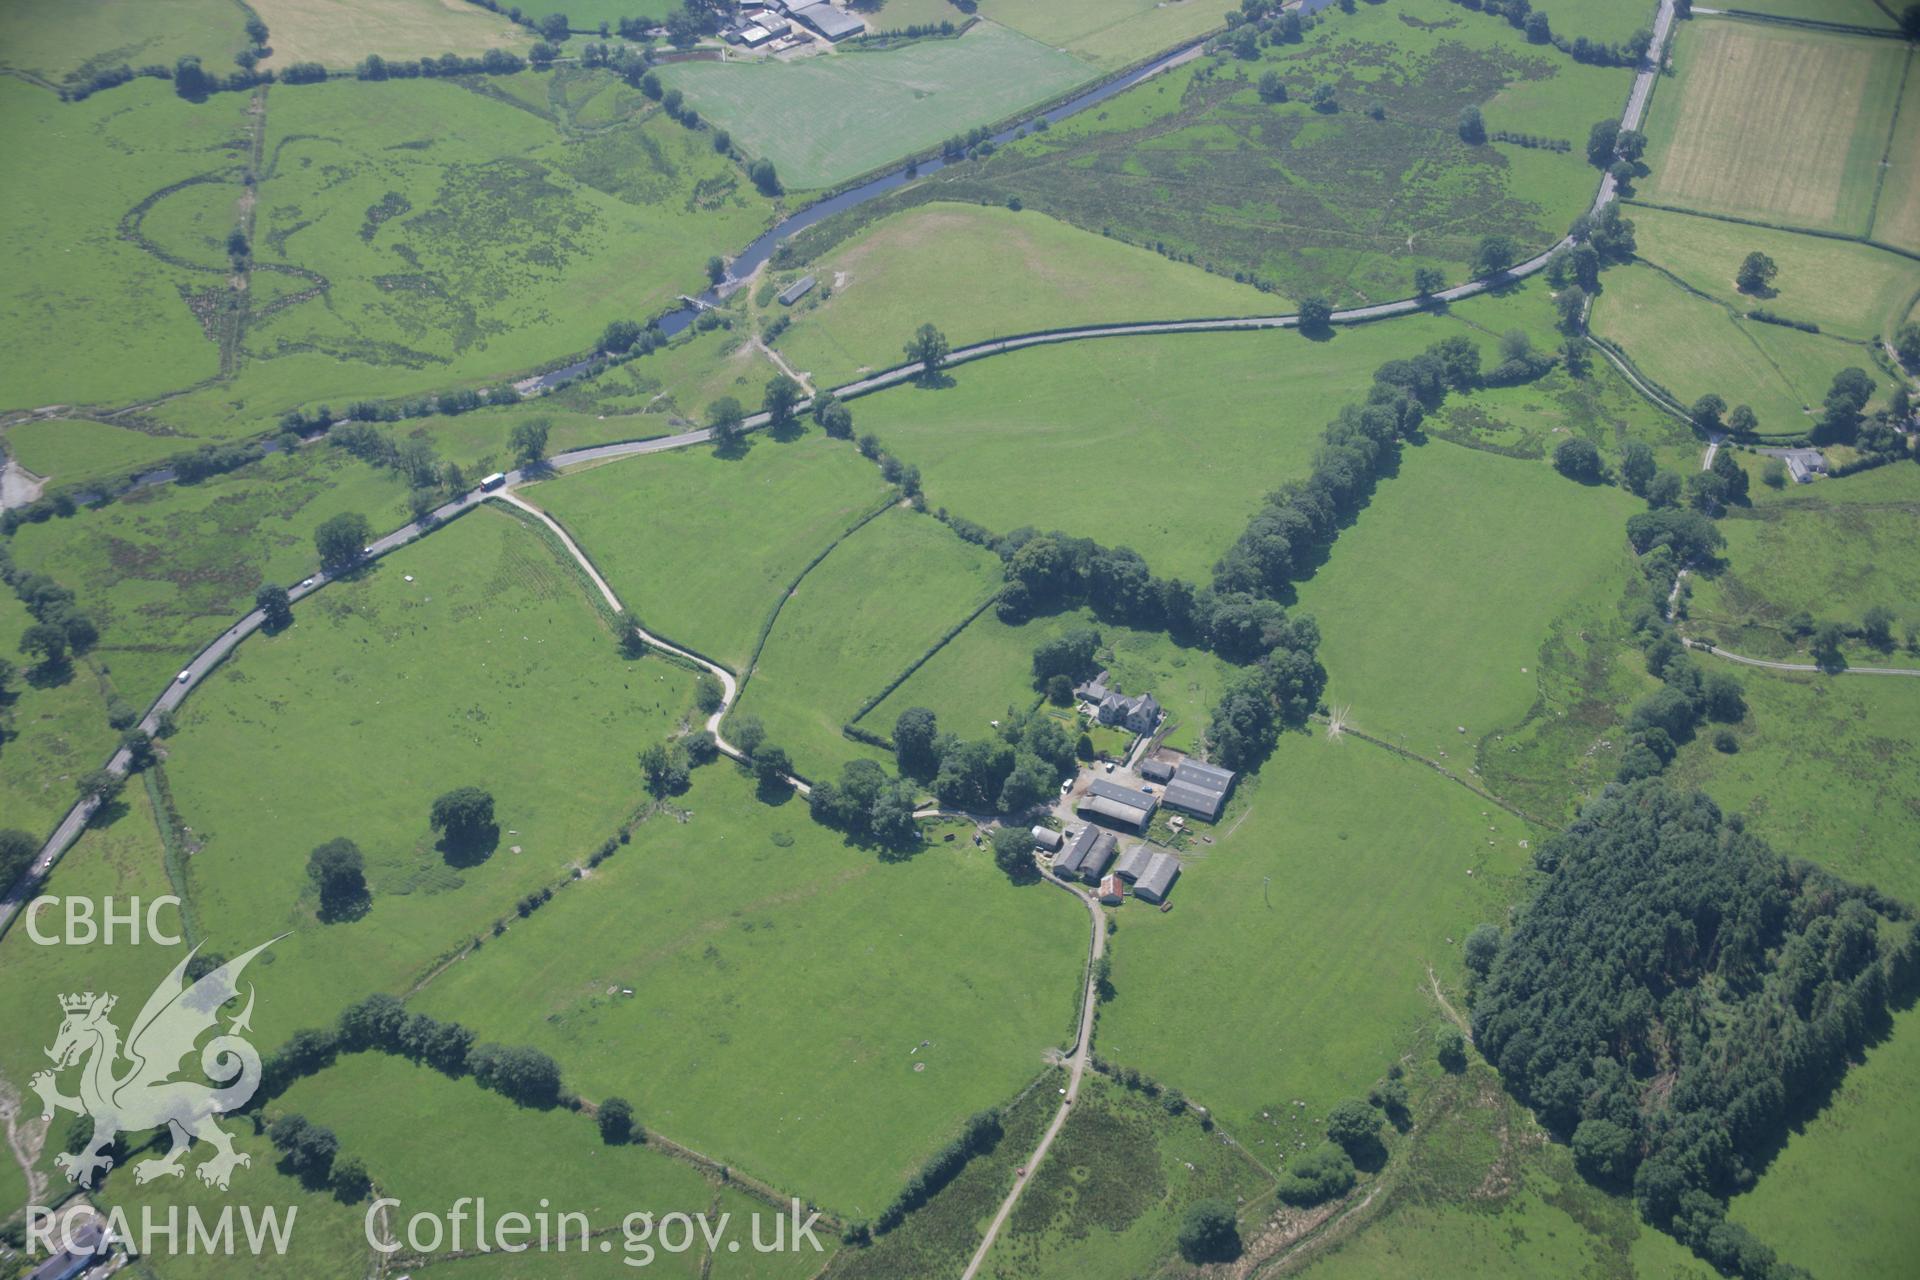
{"points": [[165, 569], [417, 201], [1832, 561], [1857, 13], [1836, 1199], [74, 451], [1025, 272], [1105, 32], [1295, 963], [1896, 218], [66, 41], [57, 731], [1771, 123], [1194, 163], [1108, 1199], [701, 548], [862, 110], [1483, 1194], [1780, 373], [883, 597], [782, 984], [1817, 771], [986, 670], [1479, 555], [488, 669], [79, 291], [1165, 444], [1847, 288], [339, 33]]}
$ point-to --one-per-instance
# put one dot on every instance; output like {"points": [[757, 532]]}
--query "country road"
{"points": [[70, 827], [1076, 1068], [1717, 652]]}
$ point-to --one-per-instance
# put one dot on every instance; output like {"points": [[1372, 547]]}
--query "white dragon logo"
{"points": [[144, 1096]]}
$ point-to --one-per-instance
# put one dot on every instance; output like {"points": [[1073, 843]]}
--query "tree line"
{"points": [[1677, 995]]}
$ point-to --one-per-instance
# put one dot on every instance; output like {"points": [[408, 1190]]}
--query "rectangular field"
{"points": [[1775, 124], [66, 41], [488, 668], [701, 548], [800, 1009], [881, 598], [1847, 288], [1110, 33], [1318, 914], [339, 33], [1896, 218], [1480, 554], [823, 120]]}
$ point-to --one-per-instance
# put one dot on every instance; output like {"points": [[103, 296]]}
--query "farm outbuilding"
{"points": [[796, 291], [1199, 789], [1086, 855], [1047, 838], [829, 21], [1113, 891], [1134, 862], [1161, 872], [1154, 769], [1122, 806]]}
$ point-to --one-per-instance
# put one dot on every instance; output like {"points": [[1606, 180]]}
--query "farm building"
{"points": [[1123, 806], [1086, 855], [1199, 789], [1803, 464], [829, 21], [753, 37], [796, 291], [1134, 862], [1139, 713], [1113, 891], [1158, 878], [1094, 690], [1047, 838], [1154, 769]]}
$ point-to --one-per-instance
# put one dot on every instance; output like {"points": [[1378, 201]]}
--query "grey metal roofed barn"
{"points": [[829, 21], [1086, 855], [1047, 838], [1123, 805], [796, 291], [1134, 862], [1199, 788], [1158, 878]]}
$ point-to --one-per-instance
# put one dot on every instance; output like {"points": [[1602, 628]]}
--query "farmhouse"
{"points": [[1086, 855], [1047, 838], [1199, 789], [1158, 878], [1122, 806], [828, 21], [796, 291], [1139, 713], [1803, 464]]}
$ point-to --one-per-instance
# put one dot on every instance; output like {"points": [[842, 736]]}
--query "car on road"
{"points": [[306, 582], [184, 676]]}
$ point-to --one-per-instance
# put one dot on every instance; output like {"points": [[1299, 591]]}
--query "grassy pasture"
{"points": [[468, 235], [339, 33], [701, 548], [1857, 13], [1311, 996], [1310, 202], [986, 669], [58, 732], [1833, 561], [782, 986], [1772, 123], [1818, 771], [1896, 218], [430, 1140], [1108, 34], [1847, 288], [1109, 1197], [489, 668], [70, 451], [1837, 1198], [1479, 554], [165, 569], [64, 41], [1479, 1192], [587, 15], [1641, 310], [78, 290], [826, 119], [1025, 271], [327, 1237], [1206, 424], [881, 598]]}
